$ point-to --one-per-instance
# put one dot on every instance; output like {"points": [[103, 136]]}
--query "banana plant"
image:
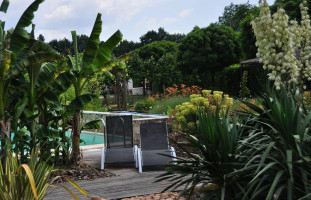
{"points": [[93, 59], [12, 63]]}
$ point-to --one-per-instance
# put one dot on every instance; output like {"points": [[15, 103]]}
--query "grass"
{"points": [[163, 106]]}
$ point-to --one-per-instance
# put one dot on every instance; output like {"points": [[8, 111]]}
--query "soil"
{"points": [[78, 172]]}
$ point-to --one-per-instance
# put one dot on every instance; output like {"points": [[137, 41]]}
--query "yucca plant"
{"points": [[281, 149], [29, 181], [26, 181], [212, 155]]}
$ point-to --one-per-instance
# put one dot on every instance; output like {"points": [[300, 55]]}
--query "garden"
{"points": [[241, 130]]}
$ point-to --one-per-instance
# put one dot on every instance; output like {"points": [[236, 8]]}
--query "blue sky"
{"points": [[56, 18]]}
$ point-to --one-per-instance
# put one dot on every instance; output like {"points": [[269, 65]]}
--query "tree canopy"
{"points": [[207, 50], [234, 14]]}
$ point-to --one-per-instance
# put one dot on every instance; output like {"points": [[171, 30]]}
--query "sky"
{"points": [[55, 19]]}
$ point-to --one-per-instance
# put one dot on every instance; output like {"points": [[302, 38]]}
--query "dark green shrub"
{"points": [[144, 105], [228, 80]]}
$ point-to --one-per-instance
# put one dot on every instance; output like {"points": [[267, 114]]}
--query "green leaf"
{"points": [[31, 60], [92, 46], [274, 184], [4, 5], [79, 102], [104, 54], [91, 125], [20, 36], [62, 82]]}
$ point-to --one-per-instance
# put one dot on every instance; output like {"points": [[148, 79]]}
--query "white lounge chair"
{"points": [[153, 143], [119, 141]]}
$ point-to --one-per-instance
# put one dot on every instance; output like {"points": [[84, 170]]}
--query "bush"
{"points": [[262, 154], [165, 105], [228, 80], [185, 113], [96, 105], [145, 105]]}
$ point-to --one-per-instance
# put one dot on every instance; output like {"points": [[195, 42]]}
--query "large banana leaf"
{"points": [[4, 6], [104, 54], [33, 60], [80, 101], [20, 36], [62, 82], [93, 43]]}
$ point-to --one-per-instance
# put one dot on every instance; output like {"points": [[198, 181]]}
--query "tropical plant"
{"points": [[94, 59], [210, 155], [26, 181], [283, 45], [29, 181], [281, 153], [18, 53]]}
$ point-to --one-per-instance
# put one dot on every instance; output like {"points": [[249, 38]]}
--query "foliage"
{"points": [[234, 14], [291, 7], [26, 181], [282, 164], [95, 58], [263, 153], [145, 105], [161, 34], [283, 46], [207, 50], [124, 47], [64, 46], [155, 62], [228, 79], [247, 36], [185, 114], [212, 154], [165, 106], [244, 92]]}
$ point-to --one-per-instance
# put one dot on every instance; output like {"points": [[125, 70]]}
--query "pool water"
{"points": [[89, 138]]}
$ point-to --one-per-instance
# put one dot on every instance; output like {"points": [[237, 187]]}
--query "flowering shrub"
{"points": [[182, 90], [185, 113], [284, 47]]}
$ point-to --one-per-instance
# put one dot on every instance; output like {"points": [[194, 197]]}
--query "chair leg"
{"points": [[173, 153], [139, 158], [102, 166], [135, 156]]}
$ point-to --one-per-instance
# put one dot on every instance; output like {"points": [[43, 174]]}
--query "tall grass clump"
{"points": [[167, 104]]}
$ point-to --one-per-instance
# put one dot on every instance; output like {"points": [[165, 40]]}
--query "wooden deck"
{"points": [[127, 183]]}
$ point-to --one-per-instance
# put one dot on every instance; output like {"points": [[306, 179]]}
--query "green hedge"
{"points": [[229, 79]]}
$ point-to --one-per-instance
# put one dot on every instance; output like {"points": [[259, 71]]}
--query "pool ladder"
{"points": [[95, 134]]}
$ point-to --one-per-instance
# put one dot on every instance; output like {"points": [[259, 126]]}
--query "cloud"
{"points": [[54, 34], [186, 12], [63, 11], [169, 20]]}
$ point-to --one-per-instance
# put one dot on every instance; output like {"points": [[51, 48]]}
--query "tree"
{"points": [[291, 7], [247, 36], [152, 36], [207, 50], [41, 38], [125, 47], [151, 54], [234, 14], [94, 59]]}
